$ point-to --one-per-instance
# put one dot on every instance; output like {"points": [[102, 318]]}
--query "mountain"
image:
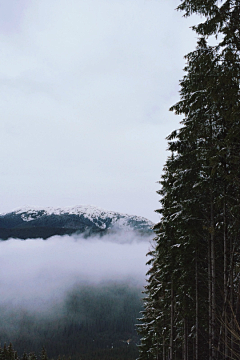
{"points": [[87, 220]]}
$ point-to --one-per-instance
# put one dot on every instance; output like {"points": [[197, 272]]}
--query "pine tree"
{"points": [[193, 283]]}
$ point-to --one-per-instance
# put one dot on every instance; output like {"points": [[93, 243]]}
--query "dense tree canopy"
{"points": [[192, 296]]}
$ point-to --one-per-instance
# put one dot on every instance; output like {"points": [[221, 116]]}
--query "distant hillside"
{"points": [[88, 220], [92, 323]]}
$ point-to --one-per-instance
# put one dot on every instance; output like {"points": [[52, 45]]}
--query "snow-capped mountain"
{"points": [[43, 223]]}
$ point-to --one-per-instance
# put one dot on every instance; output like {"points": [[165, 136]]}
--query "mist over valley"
{"points": [[77, 295]]}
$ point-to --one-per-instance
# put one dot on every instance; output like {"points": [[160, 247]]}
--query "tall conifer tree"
{"points": [[192, 299]]}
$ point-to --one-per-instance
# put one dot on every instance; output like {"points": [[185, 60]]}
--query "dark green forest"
{"points": [[192, 298], [92, 322]]}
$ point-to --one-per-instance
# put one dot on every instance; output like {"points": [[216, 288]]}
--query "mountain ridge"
{"points": [[38, 222]]}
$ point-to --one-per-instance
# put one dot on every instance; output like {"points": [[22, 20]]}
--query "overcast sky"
{"points": [[85, 90]]}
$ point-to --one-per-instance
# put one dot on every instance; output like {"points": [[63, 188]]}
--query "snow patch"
{"points": [[90, 212]]}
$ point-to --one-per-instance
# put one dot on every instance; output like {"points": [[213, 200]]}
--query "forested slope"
{"points": [[92, 322], [29, 223]]}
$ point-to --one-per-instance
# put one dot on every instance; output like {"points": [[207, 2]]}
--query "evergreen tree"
{"points": [[194, 278]]}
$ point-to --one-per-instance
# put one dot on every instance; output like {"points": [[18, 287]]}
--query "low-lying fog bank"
{"points": [[70, 294]]}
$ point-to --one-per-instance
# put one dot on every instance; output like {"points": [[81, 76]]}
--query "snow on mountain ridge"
{"points": [[36, 222], [88, 211]]}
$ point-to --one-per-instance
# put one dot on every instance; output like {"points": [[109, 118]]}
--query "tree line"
{"points": [[8, 353], [192, 297], [92, 322]]}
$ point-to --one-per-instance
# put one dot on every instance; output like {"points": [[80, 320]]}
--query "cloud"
{"points": [[36, 274]]}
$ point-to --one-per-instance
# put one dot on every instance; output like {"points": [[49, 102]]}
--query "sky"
{"points": [[85, 90]]}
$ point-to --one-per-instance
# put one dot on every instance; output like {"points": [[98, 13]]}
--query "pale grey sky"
{"points": [[85, 90]]}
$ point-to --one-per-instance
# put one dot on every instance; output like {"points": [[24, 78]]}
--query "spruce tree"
{"points": [[192, 296]]}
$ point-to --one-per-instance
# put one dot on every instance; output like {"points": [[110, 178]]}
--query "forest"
{"points": [[92, 322], [192, 298]]}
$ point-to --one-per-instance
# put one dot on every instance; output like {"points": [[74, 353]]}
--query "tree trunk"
{"points": [[185, 344], [209, 301], [225, 280], [172, 323], [164, 348], [231, 298], [197, 306], [213, 276]]}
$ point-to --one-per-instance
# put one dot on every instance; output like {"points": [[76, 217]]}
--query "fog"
{"points": [[72, 294], [37, 274]]}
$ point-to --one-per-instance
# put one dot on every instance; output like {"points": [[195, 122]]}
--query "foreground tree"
{"points": [[192, 296]]}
